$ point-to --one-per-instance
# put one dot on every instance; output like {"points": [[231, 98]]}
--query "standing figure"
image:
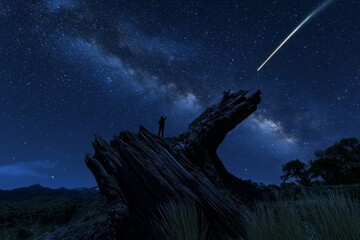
{"points": [[161, 126]]}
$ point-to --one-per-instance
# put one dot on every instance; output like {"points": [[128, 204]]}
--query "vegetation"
{"points": [[274, 221], [330, 216], [34, 217], [297, 169], [181, 221], [338, 164]]}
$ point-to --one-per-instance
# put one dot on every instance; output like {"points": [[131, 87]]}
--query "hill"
{"points": [[35, 211]]}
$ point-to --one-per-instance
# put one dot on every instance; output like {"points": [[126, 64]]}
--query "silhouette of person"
{"points": [[161, 126]]}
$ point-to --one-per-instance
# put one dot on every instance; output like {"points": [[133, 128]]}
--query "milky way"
{"points": [[73, 69]]}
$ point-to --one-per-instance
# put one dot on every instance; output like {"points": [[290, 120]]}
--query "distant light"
{"points": [[52, 177]]}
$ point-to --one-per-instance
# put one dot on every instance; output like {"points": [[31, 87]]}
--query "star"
{"points": [[74, 69]]}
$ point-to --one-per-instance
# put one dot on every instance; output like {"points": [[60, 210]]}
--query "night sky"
{"points": [[73, 69]]}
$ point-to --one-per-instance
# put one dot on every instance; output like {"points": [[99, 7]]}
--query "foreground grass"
{"points": [[277, 221], [326, 216], [334, 216], [181, 221], [329, 215]]}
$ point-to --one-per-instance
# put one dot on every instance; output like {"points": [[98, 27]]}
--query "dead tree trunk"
{"points": [[138, 172]]}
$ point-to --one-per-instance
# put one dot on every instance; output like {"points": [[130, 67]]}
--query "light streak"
{"points": [[316, 11]]}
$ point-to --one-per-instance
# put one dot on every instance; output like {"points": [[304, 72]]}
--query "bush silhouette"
{"points": [[338, 164]]}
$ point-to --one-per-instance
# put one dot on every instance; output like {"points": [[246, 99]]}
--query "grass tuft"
{"points": [[181, 221], [333, 216], [330, 216], [274, 222]]}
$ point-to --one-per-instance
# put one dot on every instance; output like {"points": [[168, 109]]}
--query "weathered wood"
{"points": [[138, 172]]}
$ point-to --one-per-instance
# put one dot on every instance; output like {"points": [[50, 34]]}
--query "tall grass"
{"points": [[274, 222], [330, 216], [333, 216], [181, 221]]}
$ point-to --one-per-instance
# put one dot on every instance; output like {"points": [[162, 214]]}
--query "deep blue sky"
{"points": [[70, 69]]}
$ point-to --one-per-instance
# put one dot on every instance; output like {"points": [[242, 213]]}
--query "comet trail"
{"points": [[316, 11]]}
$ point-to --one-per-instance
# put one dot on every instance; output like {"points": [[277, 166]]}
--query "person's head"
{"points": [[162, 117]]}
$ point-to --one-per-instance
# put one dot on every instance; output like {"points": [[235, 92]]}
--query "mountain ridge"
{"points": [[36, 190]]}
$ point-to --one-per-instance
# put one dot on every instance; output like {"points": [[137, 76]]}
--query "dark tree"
{"points": [[298, 170], [338, 164], [329, 169]]}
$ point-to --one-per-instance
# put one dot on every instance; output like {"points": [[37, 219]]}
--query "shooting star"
{"points": [[315, 12]]}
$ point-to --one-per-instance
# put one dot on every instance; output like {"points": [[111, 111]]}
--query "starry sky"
{"points": [[73, 69]]}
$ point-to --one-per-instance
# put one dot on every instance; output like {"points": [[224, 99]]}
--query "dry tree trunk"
{"points": [[138, 172]]}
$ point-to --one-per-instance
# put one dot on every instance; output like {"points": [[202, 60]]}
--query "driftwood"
{"points": [[138, 172]]}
